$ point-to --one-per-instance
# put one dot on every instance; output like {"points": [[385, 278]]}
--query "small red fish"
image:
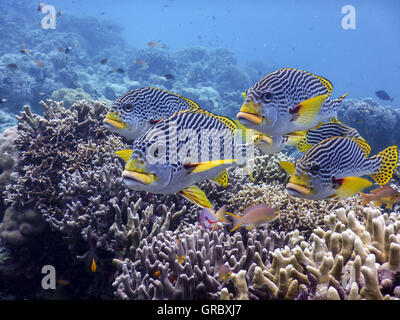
{"points": [[141, 62], [39, 63], [153, 44]]}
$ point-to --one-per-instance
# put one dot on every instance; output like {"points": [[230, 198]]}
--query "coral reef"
{"points": [[379, 125], [6, 120], [70, 96], [348, 260]]}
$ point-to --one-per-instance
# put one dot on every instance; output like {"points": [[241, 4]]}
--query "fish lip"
{"points": [[113, 123], [137, 177], [251, 118], [294, 189]]}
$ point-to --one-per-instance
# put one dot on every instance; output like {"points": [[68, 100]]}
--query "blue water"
{"points": [[302, 34]]}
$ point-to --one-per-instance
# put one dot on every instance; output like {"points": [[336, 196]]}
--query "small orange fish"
{"points": [[93, 266], [153, 44], [141, 62], [39, 63], [224, 273], [383, 195], [62, 282], [256, 215], [157, 274], [180, 254]]}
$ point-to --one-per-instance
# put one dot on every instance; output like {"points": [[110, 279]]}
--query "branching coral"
{"points": [[348, 260], [157, 274]]}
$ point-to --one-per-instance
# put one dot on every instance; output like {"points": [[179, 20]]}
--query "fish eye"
{"points": [[267, 96], [128, 107], [314, 169]]}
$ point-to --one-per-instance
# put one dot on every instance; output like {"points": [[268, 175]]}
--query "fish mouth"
{"points": [[250, 111], [251, 118], [143, 178], [112, 120], [294, 189]]}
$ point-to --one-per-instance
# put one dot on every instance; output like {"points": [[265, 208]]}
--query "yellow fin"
{"points": [[196, 195], [326, 83], [389, 158], [307, 110], [352, 185], [207, 165], [244, 95], [287, 166], [124, 154], [365, 147], [250, 174], [293, 140], [93, 266], [303, 146], [222, 179]]}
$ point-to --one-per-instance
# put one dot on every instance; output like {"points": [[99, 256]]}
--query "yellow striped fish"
{"points": [[288, 100], [137, 110], [334, 167], [182, 150]]}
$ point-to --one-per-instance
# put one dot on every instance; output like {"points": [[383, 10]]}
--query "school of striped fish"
{"points": [[176, 144]]}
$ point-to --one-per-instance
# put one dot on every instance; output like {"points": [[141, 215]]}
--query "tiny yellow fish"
{"points": [[93, 266]]}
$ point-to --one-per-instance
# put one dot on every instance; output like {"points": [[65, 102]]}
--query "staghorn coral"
{"points": [[156, 273]]}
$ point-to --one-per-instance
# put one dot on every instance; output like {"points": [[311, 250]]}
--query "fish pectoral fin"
{"points": [[196, 195], [124, 154], [287, 166], [294, 139], [389, 205], [389, 158], [204, 166], [222, 179], [349, 186], [308, 110]]}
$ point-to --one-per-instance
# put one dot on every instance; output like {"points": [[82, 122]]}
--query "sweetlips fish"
{"points": [[334, 166], [137, 110], [383, 195], [182, 150], [288, 100], [326, 130]]}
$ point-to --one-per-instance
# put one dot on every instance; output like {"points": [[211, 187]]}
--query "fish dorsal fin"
{"points": [[365, 147], [327, 84], [124, 154], [193, 104], [222, 179], [287, 166]]}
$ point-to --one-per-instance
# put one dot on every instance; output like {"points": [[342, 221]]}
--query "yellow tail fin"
{"points": [[389, 158], [303, 146], [222, 179]]}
